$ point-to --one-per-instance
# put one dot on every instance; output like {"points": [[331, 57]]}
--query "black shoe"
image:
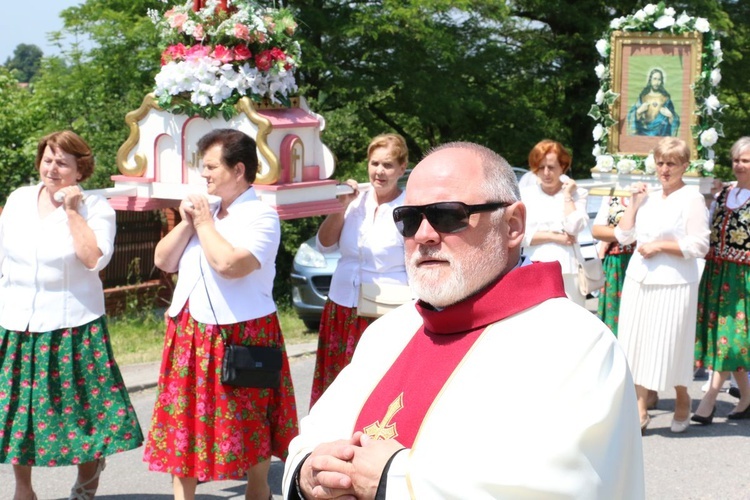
{"points": [[734, 391], [704, 420], [700, 374], [740, 415]]}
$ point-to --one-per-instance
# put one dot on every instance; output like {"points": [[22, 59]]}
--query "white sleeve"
{"points": [[576, 221], [625, 237], [695, 243], [603, 213], [100, 217]]}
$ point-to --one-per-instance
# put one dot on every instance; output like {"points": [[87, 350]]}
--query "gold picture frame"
{"points": [[654, 75]]}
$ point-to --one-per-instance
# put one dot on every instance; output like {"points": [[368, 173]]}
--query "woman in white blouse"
{"points": [[62, 398], [202, 429], [372, 251], [660, 293], [556, 213]]}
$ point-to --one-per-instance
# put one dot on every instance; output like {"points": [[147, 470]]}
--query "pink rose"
{"points": [[225, 446], [241, 32], [173, 53], [196, 52], [176, 20], [223, 54], [198, 32]]}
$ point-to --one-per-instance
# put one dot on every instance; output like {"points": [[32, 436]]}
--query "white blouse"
{"points": [[44, 286], [547, 213], [253, 225], [372, 250], [682, 217]]}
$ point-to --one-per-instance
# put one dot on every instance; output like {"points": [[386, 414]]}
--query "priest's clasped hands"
{"points": [[347, 469]]}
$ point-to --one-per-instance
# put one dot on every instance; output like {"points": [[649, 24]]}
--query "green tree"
{"points": [[505, 74], [735, 92], [18, 130], [97, 80], [25, 61]]}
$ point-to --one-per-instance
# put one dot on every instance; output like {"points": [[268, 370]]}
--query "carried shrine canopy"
{"points": [[225, 64]]}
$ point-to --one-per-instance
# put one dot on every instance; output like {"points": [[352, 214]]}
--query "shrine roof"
{"points": [[289, 118]]}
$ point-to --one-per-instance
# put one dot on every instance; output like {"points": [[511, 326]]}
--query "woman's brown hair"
{"points": [[71, 143]]}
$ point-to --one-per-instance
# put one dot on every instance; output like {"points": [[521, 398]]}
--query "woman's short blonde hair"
{"points": [[672, 148], [545, 147], [395, 142]]}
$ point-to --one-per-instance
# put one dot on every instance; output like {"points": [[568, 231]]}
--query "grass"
{"points": [[139, 337]]}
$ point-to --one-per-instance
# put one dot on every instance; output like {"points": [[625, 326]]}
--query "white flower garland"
{"points": [[653, 18]]}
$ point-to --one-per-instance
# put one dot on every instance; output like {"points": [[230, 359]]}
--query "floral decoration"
{"points": [[655, 18], [223, 51]]}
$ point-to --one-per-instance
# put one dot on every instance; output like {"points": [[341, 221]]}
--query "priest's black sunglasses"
{"points": [[444, 217]]}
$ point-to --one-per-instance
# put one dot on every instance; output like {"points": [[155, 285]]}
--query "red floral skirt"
{"points": [[201, 428], [340, 330]]}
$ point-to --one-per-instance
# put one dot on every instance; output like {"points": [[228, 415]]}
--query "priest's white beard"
{"points": [[468, 273]]}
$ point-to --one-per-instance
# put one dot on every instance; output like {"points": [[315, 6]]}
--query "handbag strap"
{"points": [[579, 255], [210, 304]]}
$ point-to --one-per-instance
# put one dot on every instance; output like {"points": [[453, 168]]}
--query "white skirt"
{"points": [[657, 332]]}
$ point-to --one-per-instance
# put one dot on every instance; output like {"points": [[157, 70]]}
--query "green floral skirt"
{"points": [[721, 335], [62, 398], [609, 299]]}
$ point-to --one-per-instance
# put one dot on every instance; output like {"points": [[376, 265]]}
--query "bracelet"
{"points": [[568, 199]]}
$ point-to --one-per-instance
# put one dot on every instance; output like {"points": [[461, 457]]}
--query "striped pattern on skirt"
{"points": [[657, 332]]}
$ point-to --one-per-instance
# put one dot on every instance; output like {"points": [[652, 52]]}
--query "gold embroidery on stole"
{"points": [[384, 429]]}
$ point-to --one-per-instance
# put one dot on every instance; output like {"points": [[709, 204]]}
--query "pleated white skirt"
{"points": [[657, 332]]}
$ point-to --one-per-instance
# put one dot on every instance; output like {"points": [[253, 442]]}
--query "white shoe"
{"points": [[680, 426]]}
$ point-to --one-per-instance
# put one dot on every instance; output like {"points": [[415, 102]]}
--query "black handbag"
{"points": [[247, 365], [251, 366]]}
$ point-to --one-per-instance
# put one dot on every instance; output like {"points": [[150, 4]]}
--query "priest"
{"points": [[492, 385]]}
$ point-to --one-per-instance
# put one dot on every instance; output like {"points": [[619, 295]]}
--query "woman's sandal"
{"points": [[79, 491]]}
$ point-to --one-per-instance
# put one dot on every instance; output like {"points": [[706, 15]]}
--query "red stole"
{"points": [[398, 404]]}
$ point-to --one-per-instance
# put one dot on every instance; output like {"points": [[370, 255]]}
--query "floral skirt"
{"points": [[62, 398], [340, 330], [609, 299], [722, 342], [204, 429]]}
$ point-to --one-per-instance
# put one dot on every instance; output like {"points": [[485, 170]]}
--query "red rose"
{"points": [[242, 53], [264, 60]]}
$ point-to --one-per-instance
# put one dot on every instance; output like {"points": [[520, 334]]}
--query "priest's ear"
{"points": [[515, 224]]}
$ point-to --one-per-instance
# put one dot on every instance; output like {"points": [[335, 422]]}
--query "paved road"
{"points": [[705, 463], [126, 476]]}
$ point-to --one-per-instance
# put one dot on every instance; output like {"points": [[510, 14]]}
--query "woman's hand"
{"points": [[567, 240], [72, 196], [569, 188], [345, 199], [648, 250], [185, 215], [197, 208], [640, 193]]}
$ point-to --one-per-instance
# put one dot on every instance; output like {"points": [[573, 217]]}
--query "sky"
{"points": [[29, 22]]}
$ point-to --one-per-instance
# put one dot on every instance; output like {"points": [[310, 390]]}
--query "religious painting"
{"points": [[654, 74]]}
